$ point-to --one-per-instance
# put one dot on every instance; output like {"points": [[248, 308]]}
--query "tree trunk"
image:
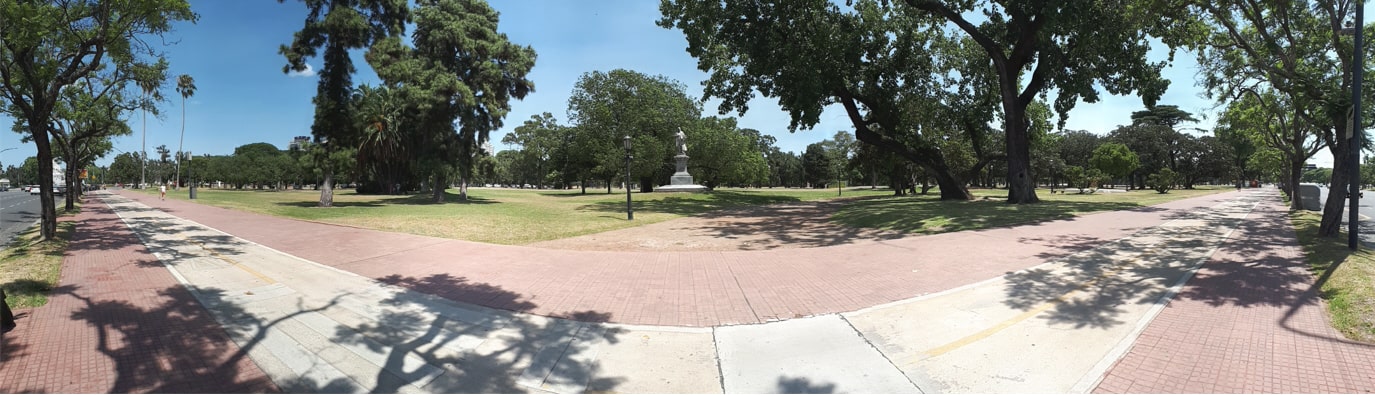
{"points": [[646, 185], [609, 181], [180, 140], [462, 187], [1292, 185], [1020, 188], [327, 185], [39, 128], [1336, 196], [438, 188]]}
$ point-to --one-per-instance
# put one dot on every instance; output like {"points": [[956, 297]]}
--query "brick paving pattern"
{"points": [[1250, 321], [118, 322], [681, 288]]}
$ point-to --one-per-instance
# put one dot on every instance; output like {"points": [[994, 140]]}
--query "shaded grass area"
{"points": [[1346, 278], [926, 214], [503, 216], [29, 270]]}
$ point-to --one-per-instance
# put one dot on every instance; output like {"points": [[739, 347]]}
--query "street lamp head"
{"points": [[626, 141]]}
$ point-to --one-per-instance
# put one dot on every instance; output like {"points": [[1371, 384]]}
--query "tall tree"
{"points": [[1114, 159], [46, 46], [463, 74], [186, 86], [337, 26], [149, 84], [385, 150], [723, 154], [1076, 147], [606, 106], [1265, 117], [90, 113], [816, 165], [1071, 46], [877, 62], [1296, 48]]}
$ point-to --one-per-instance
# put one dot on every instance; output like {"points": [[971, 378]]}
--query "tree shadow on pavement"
{"points": [[478, 351], [460, 289], [175, 346], [1089, 288], [803, 385]]}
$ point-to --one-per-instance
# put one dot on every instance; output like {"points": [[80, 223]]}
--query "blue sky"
{"points": [[243, 97]]}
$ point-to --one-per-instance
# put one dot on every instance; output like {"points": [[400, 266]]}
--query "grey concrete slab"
{"points": [[658, 360], [808, 355], [1050, 328]]}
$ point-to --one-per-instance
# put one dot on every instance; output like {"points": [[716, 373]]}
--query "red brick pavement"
{"points": [[1250, 321], [118, 323], [682, 288]]}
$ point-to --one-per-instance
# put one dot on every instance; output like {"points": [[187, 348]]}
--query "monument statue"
{"points": [[682, 142], [681, 180]]}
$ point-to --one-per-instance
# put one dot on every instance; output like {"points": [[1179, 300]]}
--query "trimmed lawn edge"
{"points": [[30, 270], [1347, 278]]}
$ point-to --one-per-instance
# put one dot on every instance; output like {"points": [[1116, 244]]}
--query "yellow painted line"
{"points": [[232, 262], [1041, 308]]}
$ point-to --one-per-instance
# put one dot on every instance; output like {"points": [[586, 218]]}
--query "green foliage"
{"points": [[1317, 176], [722, 154], [1076, 147], [1163, 181], [816, 165], [458, 82], [1084, 179], [49, 46], [606, 106], [1114, 159], [875, 61], [336, 27]]}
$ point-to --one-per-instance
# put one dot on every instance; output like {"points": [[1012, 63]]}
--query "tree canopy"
{"points": [[48, 46]]}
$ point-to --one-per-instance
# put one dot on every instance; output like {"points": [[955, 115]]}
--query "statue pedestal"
{"points": [[681, 180]]}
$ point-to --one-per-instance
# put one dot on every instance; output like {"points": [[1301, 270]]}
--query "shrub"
{"points": [[1163, 181]]}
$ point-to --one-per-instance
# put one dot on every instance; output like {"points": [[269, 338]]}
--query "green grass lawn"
{"points": [[517, 217], [1348, 278], [502, 216], [29, 270], [928, 215]]}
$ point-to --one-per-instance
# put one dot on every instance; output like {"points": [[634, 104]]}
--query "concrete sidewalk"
{"points": [[699, 289], [1054, 325], [1067, 301], [118, 322]]}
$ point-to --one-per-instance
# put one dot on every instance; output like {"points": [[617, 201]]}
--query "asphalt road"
{"points": [[18, 211], [1367, 215]]}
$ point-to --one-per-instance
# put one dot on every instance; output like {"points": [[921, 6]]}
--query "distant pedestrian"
{"points": [[163, 190]]}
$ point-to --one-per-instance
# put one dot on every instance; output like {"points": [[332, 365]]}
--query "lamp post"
{"points": [[188, 175], [629, 212], [1357, 73]]}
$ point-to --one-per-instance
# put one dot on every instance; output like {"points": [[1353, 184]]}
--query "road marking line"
{"points": [[1041, 308]]}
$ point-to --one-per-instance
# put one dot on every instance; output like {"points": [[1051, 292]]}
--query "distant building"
{"points": [[1309, 166], [298, 143]]}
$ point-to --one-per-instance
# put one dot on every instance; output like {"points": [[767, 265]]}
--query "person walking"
{"points": [[163, 190]]}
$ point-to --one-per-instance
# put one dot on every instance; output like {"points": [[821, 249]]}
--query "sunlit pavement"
{"points": [[1055, 327]]}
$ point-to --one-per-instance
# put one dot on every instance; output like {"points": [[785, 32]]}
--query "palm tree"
{"points": [[382, 149], [186, 86], [149, 87]]}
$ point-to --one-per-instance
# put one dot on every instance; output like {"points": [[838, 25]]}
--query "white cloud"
{"points": [[307, 73]]}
